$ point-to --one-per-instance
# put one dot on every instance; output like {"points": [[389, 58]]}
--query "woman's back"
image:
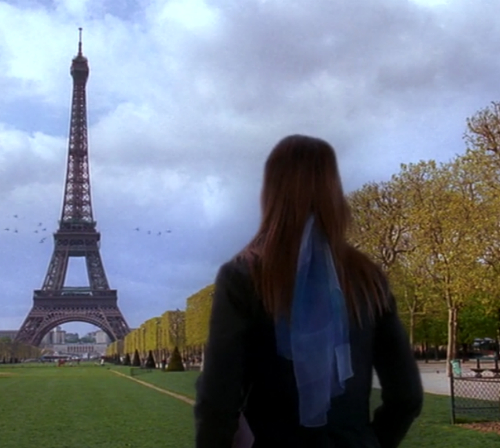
{"points": [[272, 407], [300, 318]]}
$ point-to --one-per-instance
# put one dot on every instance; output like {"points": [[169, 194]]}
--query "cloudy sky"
{"points": [[186, 99]]}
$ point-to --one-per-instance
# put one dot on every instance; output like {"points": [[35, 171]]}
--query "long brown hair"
{"points": [[301, 178]]}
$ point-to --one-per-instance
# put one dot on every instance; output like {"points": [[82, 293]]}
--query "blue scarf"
{"points": [[317, 339]]}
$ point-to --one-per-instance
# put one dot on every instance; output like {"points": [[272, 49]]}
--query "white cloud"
{"points": [[74, 8]]}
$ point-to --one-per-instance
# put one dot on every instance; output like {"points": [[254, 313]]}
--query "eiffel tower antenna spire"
{"points": [[55, 304], [80, 42]]}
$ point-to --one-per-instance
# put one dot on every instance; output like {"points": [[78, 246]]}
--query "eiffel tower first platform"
{"points": [[56, 304]]}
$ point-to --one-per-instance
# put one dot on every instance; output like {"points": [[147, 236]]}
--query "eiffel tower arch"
{"points": [[55, 304]]}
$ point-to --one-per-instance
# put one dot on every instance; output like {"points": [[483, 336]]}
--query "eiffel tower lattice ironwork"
{"points": [[55, 303]]}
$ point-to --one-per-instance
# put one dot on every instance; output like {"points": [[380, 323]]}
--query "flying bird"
{"points": [[7, 229]]}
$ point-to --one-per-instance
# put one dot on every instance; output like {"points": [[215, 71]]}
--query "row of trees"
{"points": [[434, 228], [12, 351], [185, 330]]}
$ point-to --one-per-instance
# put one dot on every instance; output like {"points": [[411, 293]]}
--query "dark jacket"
{"points": [[241, 351]]}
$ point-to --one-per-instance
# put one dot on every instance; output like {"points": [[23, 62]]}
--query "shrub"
{"points": [[150, 362], [175, 364], [136, 362]]}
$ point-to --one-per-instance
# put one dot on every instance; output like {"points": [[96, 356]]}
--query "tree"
{"points": [[446, 211], [385, 223], [432, 331], [198, 309], [152, 338], [380, 222], [5, 348], [476, 322], [483, 136], [176, 329], [13, 351], [131, 341], [88, 339], [483, 154], [408, 284], [419, 227]]}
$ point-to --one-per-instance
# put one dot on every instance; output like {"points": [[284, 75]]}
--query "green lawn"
{"points": [[433, 429], [88, 406], [179, 382]]}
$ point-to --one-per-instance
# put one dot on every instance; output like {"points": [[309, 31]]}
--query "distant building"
{"points": [[101, 337], [47, 339], [92, 342], [11, 334], [82, 350], [58, 336]]}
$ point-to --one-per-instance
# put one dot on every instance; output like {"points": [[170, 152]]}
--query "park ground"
{"points": [[89, 406]]}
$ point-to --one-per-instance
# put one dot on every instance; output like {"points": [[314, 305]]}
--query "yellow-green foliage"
{"points": [[11, 349], [173, 329], [132, 342], [198, 309], [152, 332], [112, 349]]}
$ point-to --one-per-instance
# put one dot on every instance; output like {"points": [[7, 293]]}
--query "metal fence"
{"points": [[475, 398]]}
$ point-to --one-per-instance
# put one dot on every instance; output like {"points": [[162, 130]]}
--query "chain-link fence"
{"points": [[475, 397]]}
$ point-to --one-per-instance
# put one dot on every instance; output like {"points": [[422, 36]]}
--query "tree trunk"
{"points": [[498, 337], [452, 337], [202, 360], [412, 328]]}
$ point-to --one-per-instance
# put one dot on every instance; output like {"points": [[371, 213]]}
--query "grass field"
{"points": [[88, 406]]}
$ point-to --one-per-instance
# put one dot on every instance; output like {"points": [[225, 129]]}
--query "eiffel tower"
{"points": [[55, 303]]}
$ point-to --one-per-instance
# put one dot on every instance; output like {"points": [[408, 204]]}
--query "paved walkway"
{"points": [[434, 377]]}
